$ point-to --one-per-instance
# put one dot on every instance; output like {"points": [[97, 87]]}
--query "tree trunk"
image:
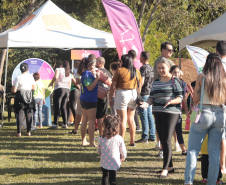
{"points": [[141, 13], [151, 18], [29, 10]]}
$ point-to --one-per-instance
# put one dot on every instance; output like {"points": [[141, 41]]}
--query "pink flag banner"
{"points": [[124, 29]]}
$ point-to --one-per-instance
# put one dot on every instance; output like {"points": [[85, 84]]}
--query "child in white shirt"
{"points": [[112, 149]]}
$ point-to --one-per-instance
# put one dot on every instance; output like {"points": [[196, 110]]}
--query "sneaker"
{"points": [[64, 126], [142, 141], [204, 180], [177, 148], [53, 127], [219, 182], [152, 140], [160, 155], [184, 152], [96, 130], [33, 128], [70, 123], [138, 130], [157, 147], [40, 126]]}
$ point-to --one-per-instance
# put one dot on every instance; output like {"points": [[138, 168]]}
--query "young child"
{"points": [[175, 71], [112, 149]]}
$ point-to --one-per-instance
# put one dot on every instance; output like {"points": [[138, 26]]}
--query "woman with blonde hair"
{"points": [[166, 96], [211, 121]]}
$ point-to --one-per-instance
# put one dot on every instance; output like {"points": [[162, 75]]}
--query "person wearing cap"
{"points": [[24, 102], [88, 99]]}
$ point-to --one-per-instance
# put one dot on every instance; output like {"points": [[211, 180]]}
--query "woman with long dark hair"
{"points": [[88, 99], [211, 121], [73, 98], [62, 86], [125, 84], [78, 117]]}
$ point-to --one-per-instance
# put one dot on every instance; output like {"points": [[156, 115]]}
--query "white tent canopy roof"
{"points": [[50, 27], [207, 36]]}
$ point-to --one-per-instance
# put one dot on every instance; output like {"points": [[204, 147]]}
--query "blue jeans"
{"points": [[38, 112], [147, 121], [211, 123]]}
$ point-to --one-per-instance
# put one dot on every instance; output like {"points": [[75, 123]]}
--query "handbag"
{"points": [[105, 79], [197, 110], [102, 92], [139, 97]]}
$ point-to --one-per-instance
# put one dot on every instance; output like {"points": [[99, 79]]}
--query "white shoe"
{"points": [[177, 148], [157, 147], [160, 155]]}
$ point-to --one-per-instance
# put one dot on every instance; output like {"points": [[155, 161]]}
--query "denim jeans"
{"points": [[211, 123], [38, 112], [147, 121]]}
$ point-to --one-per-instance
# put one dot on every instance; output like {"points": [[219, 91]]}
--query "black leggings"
{"points": [[165, 125], [73, 98], [60, 98], [111, 174], [20, 117], [178, 129], [205, 166]]}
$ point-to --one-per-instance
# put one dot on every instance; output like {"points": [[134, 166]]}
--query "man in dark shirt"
{"points": [[147, 78], [102, 104]]}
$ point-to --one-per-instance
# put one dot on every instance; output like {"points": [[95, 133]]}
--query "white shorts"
{"points": [[125, 98]]}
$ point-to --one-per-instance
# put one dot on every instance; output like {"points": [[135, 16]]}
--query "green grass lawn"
{"points": [[55, 157]]}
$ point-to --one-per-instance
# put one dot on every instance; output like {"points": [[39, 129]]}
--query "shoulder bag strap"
{"points": [[202, 91], [138, 86]]}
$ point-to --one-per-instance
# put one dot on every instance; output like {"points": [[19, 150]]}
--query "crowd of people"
{"points": [[159, 91]]}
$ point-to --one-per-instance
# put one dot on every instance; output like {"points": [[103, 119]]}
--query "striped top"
{"points": [[162, 92]]}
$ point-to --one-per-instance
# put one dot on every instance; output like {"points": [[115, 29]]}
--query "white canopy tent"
{"points": [[207, 36], [51, 27]]}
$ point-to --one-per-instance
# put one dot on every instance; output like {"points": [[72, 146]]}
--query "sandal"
{"points": [[73, 132]]}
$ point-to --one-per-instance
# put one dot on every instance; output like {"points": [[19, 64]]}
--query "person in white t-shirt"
{"points": [[23, 84], [62, 79], [39, 97]]}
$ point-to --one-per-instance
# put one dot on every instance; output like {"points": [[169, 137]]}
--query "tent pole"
{"points": [[4, 94], [180, 59], [72, 65]]}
